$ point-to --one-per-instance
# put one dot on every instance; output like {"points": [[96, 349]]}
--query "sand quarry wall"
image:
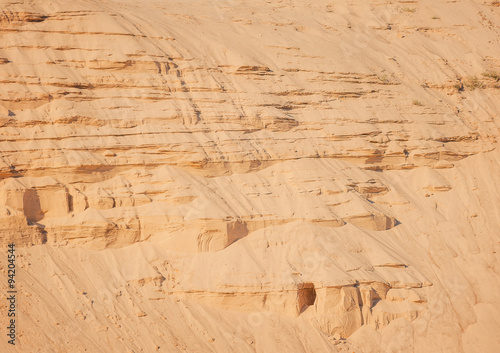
{"points": [[236, 176]]}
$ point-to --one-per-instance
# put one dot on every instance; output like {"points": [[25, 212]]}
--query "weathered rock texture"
{"points": [[251, 176]]}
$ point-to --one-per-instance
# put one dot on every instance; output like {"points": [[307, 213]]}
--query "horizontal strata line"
{"points": [[92, 87], [249, 130], [168, 87], [255, 290], [134, 134], [84, 169], [84, 33], [326, 138], [47, 47], [172, 152]]}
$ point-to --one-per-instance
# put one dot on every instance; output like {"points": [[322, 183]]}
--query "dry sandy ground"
{"points": [[251, 176]]}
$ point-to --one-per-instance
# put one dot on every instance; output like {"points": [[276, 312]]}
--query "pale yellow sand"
{"points": [[251, 176]]}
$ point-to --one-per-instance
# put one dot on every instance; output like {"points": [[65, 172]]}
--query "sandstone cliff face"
{"points": [[251, 176]]}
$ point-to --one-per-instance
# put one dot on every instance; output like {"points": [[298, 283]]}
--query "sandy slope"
{"points": [[237, 176]]}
